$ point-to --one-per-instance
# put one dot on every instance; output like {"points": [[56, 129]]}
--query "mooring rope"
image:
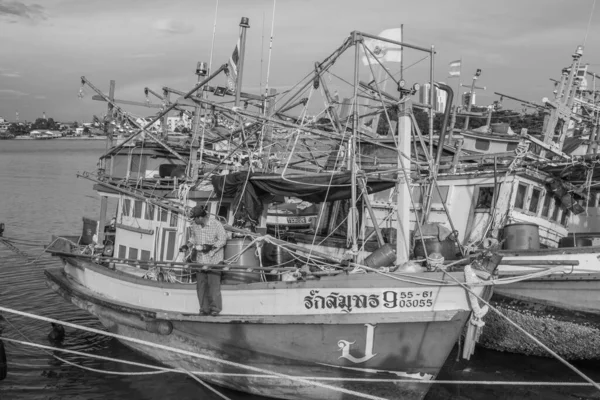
{"points": [[192, 354], [529, 335], [159, 370]]}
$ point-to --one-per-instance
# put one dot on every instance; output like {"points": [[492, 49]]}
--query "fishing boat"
{"points": [[523, 194], [331, 314]]}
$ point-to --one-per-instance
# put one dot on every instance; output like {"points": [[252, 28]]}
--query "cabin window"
{"points": [[145, 255], [482, 144], [126, 207], [224, 212], [556, 210], [168, 244], [536, 194], [174, 217], [521, 194], [133, 253], [380, 197], [546, 206], [417, 194], [162, 215], [149, 214], [137, 208], [138, 164], [122, 251], [485, 197], [441, 196], [512, 146], [565, 217]]}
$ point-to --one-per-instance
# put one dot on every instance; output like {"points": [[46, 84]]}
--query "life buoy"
{"points": [[3, 365]]}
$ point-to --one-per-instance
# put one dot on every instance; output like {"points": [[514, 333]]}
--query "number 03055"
{"points": [[408, 299]]}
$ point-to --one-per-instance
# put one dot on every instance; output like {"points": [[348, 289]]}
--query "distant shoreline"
{"points": [[61, 138]]}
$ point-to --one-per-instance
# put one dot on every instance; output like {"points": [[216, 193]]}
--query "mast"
{"points": [[353, 217], [402, 53], [471, 94], [431, 94], [244, 24]]}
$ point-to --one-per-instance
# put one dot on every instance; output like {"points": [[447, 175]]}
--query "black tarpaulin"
{"points": [[249, 189]]}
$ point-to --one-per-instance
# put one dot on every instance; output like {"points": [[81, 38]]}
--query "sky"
{"points": [[47, 45]]}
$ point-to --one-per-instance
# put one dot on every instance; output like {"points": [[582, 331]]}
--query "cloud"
{"points": [[39, 97], [9, 74], [11, 93], [170, 25], [145, 55], [14, 10]]}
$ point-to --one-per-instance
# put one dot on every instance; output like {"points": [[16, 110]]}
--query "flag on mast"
{"points": [[384, 51], [454, 67], [233, 66]]}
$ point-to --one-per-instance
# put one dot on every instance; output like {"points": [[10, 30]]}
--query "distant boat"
{"points": [[43, 135]]}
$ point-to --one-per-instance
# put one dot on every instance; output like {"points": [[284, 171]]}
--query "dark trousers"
{"points": [[208, 287]]}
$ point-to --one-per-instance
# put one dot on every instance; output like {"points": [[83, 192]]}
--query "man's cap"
{"points": [[198, 212]]}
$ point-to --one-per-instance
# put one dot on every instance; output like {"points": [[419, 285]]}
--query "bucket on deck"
{"points": [[446, 247], [382, 257], [521, 236], [247, 258], [90, 227], [571, 241]]}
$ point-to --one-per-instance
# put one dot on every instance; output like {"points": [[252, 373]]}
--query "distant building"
{"points": [[145, 121], [2, 120], [183, 121]]}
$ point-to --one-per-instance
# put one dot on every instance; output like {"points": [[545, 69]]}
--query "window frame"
{"points": [[126, 207], [525, 205], [478, 194]]}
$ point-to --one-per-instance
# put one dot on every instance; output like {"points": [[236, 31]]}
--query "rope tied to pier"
{"points": [[475, 324]]}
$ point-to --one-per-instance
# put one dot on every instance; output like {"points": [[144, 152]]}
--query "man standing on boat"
{"points": [[208, 238]]}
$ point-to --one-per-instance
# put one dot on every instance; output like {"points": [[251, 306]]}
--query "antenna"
{"points": [[270, 50], [262, 50], [212, 46], [589, 22]]}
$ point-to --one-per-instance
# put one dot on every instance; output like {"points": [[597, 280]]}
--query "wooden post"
{"points": [[471, 94], [165, 119], [402, 187], [109, 112], [102, 220]]}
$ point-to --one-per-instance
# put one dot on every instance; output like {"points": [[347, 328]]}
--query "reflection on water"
{"points": [[41, 196]]}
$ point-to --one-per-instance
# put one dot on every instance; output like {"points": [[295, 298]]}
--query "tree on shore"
{"points": [[18, 129], [45, 123]]}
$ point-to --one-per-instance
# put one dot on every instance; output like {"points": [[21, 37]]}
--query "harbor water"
{"points": [[40, 196]]}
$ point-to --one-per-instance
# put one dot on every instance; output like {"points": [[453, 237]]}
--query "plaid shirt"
{"points": [[213, 233]]}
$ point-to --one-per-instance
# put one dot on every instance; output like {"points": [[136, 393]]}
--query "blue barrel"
{"points": [[521, 236], [247, 258], [446, 247], [382, 257]]}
